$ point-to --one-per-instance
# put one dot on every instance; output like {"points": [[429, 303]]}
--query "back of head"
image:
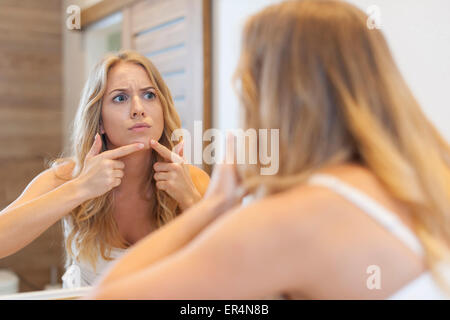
{"points": [[315, 71]]}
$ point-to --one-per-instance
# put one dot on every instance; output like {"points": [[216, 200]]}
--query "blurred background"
{"points": [[195, 45]]}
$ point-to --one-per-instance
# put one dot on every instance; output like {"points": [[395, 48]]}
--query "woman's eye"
{"points": [[120, 98], [149, 95]]}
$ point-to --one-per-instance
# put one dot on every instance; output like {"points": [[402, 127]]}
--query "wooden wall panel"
{"points": [[29, 19], [21, 42], [25, 120], [40, 5], [148, 14], [32, 67], [30, 119], [171, 61], [168, 36]]}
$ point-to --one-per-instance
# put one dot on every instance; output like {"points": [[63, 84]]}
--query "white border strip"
{"points": [[58, 294]]}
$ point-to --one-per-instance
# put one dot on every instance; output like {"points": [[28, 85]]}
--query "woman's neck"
{"points": [[136, 174], [133, 198]]}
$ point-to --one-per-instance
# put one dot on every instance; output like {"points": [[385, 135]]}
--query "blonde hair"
{"points": [[93, 229], [313, 70]]}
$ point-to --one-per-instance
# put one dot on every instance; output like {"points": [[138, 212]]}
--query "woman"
{"points": [[363, 182], [110, 191]]}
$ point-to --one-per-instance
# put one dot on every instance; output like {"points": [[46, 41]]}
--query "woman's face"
{"points": [[130, 98]]}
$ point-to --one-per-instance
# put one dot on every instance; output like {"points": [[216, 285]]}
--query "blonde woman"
{"points": [[360, 206], [114, 187]]}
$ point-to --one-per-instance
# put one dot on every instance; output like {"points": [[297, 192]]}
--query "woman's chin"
{"points": [[146, 145], [145, 142]]}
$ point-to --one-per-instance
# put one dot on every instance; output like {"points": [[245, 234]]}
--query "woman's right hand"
{"points": [[225, 183], [101, 172]]}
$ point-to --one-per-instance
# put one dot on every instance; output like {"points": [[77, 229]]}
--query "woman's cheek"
{"points": [[157, 132], [115, 130], [116, 137]]}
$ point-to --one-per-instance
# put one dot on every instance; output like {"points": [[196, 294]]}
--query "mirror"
{"points": [[46, 66]]}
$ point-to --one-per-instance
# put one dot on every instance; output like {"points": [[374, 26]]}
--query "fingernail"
{"points": [[152, 141], [141, 145]]}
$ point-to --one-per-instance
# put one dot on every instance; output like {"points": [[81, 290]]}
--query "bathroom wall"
{"points": [[228, 19], [30, 119], [418, 32], [73, 68]]}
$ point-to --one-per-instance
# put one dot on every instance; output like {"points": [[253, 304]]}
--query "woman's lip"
{"points": [[139, 128]]}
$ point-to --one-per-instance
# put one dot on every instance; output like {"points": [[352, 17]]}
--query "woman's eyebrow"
{"points": [[148, 88], [125, 89], [118, 89]]}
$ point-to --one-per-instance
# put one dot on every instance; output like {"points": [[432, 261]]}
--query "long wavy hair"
{"points": [[92, 228], [315, 71]]}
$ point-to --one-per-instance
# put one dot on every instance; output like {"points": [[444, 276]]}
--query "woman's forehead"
{"points": [[125, 74]]}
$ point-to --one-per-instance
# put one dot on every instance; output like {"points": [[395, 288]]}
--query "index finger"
{"points": [[122, 151], [165, 152]]}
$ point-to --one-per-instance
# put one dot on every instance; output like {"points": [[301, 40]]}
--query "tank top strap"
{"points": [[383, 216]]}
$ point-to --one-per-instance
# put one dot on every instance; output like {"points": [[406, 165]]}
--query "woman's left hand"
{"points": [[173, 176]]}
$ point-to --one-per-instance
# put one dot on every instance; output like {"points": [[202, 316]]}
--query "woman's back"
{"points": [[349, 244], [329, 85]]}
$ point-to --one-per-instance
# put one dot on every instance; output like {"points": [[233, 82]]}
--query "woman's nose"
{"points": [[137, 107]]}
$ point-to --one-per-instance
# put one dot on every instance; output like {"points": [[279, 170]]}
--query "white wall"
{"points": [[418, 32], [228, 20]]}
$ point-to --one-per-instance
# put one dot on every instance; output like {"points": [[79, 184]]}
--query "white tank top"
{"points": [[81, 273], [423, 287]]}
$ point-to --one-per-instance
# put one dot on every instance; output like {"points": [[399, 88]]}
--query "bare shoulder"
{"points": [[293, 217], [358, 176], [297, 203], [305, 203], [316, 211], [368, 183], [200, 178]]}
